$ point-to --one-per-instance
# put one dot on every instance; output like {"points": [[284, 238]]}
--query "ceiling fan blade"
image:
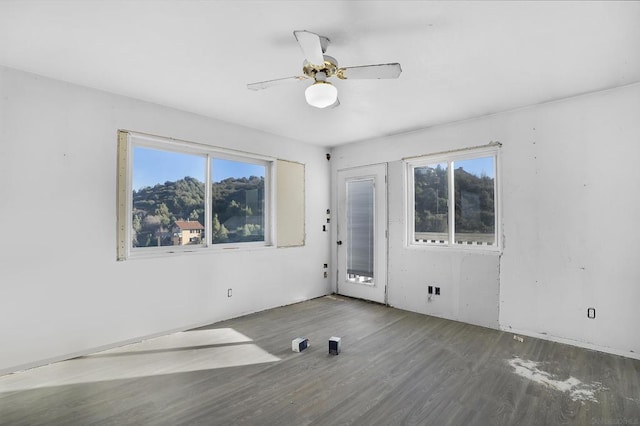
{"points": [[311, 45], [371, 71], [266, 84]]}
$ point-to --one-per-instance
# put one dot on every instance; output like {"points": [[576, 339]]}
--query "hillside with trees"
{"points": [[237, 206], [474, 201]]}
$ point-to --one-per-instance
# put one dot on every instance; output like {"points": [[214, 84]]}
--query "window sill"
{"points": [[223, 248], [444, 248]]}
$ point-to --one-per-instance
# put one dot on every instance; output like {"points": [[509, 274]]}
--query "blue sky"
{"points": [[477, 166], [153, 166]]}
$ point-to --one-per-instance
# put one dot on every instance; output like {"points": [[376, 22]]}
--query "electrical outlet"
{"points": [[591, 313], [437, 291], [228, 292], [430, 289]]}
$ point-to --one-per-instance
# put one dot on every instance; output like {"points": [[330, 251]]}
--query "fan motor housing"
{"points": [[330, 68]]}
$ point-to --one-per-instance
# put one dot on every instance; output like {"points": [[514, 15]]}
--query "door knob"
{"points": [[339, 243]]}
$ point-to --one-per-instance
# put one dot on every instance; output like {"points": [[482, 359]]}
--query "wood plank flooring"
{"points": [[396, 368]]}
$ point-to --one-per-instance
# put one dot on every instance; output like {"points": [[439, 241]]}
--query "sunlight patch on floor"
{"points": [[175, 353], [578, 391]]}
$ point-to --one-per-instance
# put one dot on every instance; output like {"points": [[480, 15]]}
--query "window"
{"points": [[181, 196], [168, 195], [452, 199], [237, 201]]}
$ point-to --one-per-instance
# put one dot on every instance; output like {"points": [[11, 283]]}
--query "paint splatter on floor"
{"points": [[578, 391], [335, 298]]}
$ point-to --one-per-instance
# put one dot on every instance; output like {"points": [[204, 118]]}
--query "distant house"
{"points": [[185, 232]]}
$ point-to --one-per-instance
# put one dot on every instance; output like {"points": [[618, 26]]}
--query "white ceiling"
{"points": [[460, 59]]}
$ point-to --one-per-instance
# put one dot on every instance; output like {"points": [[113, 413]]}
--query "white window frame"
{"points": [[125, 194], [491, 150]]}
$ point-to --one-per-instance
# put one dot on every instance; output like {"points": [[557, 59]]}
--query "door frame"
{"points": [[378, 291]]}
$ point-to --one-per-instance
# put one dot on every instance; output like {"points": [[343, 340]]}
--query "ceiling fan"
{"points": [[320, 67]]}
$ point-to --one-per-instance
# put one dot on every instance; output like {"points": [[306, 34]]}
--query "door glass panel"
{"points": [[360, 230]]}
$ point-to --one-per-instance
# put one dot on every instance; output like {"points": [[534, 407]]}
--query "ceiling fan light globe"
{"points": [[321, 94]]}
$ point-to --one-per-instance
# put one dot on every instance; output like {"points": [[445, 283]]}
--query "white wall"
{"points": [[569, 181], [62, 295]]}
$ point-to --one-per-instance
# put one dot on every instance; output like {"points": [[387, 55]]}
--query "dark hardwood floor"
{"points": [[396, 368]]}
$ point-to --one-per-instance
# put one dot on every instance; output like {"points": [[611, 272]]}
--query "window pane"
{"points": [[237, 201], [474, 201], [360, 228], [168, 198], [431, 206]]}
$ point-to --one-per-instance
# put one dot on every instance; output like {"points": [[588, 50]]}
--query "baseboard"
{"points": [[585, 345]]}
